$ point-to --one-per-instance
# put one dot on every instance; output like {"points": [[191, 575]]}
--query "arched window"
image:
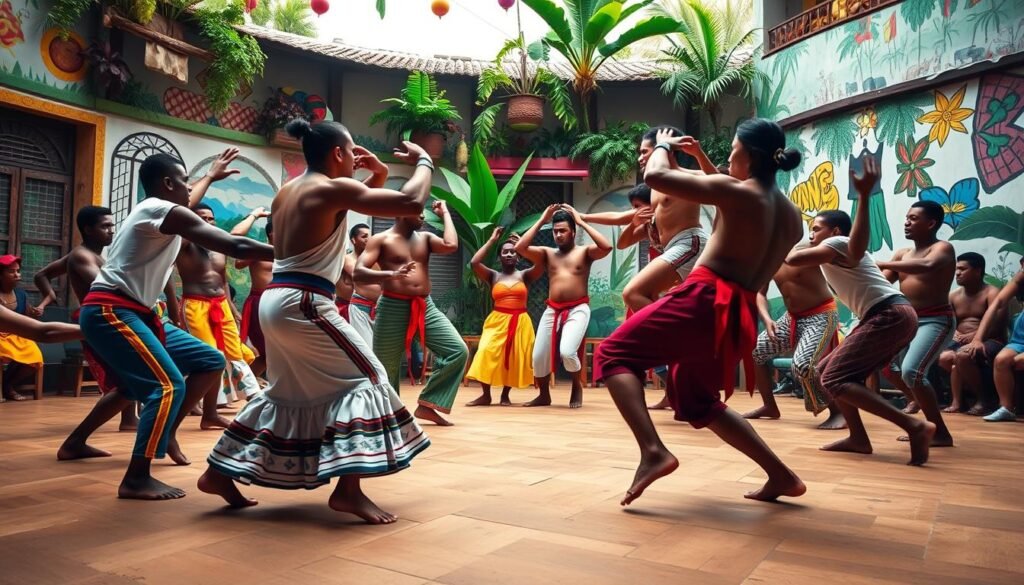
{"points": [[124, 164]]}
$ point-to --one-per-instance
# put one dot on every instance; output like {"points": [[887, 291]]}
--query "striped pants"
{"points": [[450, 351], [813, 335]]}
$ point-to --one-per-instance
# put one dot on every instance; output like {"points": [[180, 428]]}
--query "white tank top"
{"points": [[326, 259]]}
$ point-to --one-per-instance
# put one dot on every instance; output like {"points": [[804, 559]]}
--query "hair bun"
{"points": [[298, 128], [787, 159]]}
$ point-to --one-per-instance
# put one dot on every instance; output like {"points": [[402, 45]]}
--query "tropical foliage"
{"points": [[421, 108], [998, 222], [959, 203], [611, 153], [580, 32], [834, 137]]}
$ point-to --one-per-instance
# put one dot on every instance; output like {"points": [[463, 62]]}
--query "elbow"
{"points": [[655, 177]]}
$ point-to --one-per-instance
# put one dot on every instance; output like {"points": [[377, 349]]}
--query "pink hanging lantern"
{"points": [[319, 6], [506, 4]]}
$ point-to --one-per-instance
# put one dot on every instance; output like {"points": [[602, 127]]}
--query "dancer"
{"points": [[150, 358], [345, 290], [887, 322], [808, 330], [703, 328], [505, 353], [1010, 359], [926, 275], [259, 278], [406, 310], [564, 323], [363, 304], [22, 355], [970, 302], [329, 410], [209, 316]]}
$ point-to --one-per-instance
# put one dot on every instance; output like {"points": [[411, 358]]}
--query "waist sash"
{"points": [[365, 304], [104, 297], [562, 311], [936, 311], [417, 322], [216, 315], [513, 326], [303, 281], [252, 299], [829, 305], [735, 315]]}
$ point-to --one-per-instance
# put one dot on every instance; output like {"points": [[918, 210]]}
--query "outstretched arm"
{"points": [[609, 217], [42, 279], [523, 247], [218, 170], [449, 242], [243, 227], [22, 326], [815, 256], [182, 222]]}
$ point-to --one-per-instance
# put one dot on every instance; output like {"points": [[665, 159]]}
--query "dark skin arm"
{"points": [[449, 243], [482, 272], [363, 273], [42, 279], [994, 314], [182, 222], [941, 254], [535, 254], [22, 326], [364, 159], [218, 170], [343, 193], [601, 246]]}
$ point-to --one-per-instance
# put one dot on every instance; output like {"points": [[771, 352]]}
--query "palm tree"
{"points": [[706, 59], [580, 32], [294, 16]]}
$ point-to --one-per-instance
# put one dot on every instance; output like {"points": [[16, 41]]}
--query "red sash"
{"points": [[342, 305], [216, 315], [365, 302], [110, 298], [735, 314], [829, 305], [247, 307], [417, 322], [101, 372], [513, 326], [936, 311], [562, 311]]}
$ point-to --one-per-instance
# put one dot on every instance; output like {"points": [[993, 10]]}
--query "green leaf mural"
{"points": [[897, 118], [998, 222], [794, 140], [834, 137], [916, 13]]}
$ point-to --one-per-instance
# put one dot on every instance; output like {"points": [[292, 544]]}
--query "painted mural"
{"points": [[959, 145], [911, 40], [33, 57]]}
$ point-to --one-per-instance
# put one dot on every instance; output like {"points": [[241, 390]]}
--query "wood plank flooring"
{"points": [[515, 495]]}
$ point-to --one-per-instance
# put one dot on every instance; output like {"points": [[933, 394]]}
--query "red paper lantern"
{"points": [[319, 6], [506, 4], [250, 5], [439, 7]]}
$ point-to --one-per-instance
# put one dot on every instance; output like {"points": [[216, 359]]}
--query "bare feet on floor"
{"points": [[576, 397], [952, 408], [360, 505], [148, 488], [920, 440], [432, 415], [74, 450], [660, 405], [834, 422], [540, 400], [482, 400], [937, 440], [776, 487], [175, 453], [652, 467], [505, 401], [911, 408], [771, 412], [14, 396], [196, 411], [218, 484], [214, 423], [977, 410], [850, 445]]}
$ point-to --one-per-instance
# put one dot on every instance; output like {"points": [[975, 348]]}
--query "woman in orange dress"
{"points": [[505, 355]]}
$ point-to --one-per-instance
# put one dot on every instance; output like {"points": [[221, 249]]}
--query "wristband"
{"points": [[665, 145], [425, 161]]}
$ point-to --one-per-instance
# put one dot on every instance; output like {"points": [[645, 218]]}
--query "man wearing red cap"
{"points": [[22, 354]]}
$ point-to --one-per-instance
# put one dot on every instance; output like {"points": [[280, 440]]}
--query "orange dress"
{"points": [[505, 355]]}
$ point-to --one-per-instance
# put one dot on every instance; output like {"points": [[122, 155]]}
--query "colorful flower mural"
{"points": [[998, 141], [959, 203], [947, 115], [10, 27], [912, 165]]}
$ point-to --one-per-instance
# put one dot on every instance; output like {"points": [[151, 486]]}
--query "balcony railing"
{"points": [[822, 17]]}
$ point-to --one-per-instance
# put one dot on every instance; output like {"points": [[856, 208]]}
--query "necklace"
{"points": [[13, 299]]}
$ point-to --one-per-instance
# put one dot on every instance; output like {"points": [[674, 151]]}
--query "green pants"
{"points": [[450, 352]]}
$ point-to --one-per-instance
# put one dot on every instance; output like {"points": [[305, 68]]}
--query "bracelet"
{"points": [[425, 161], [665, 145]]}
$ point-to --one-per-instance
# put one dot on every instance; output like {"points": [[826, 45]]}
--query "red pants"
{"points": [[680, 329]]}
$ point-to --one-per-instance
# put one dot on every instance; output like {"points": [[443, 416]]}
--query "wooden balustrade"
{"points": [[820, 18]]}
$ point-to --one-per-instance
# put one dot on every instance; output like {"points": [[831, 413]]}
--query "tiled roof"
{"points": [[612, 70]]}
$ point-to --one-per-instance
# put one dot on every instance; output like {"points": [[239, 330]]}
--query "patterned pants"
{"points": [[813, 337]]}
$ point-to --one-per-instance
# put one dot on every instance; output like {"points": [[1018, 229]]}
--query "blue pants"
{"points": [[147, 371]]}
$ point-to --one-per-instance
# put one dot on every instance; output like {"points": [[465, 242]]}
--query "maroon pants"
{"points": [[870, 346]]}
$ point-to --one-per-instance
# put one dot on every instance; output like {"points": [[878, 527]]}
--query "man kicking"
{"points": [[406, 310], [149, 358], [808, 330], [925, 273], [887, 322], [970, 302], [564, 323], [705, 327], [259, 278]]}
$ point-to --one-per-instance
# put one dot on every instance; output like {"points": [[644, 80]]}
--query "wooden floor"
{"points": [[516, 496]]}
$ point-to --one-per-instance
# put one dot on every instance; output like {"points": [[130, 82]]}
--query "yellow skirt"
{"points": [[489, 362], [197, 320], [19, 350]]}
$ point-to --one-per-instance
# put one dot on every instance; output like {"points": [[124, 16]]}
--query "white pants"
{"points": [[572, 334], [361, 322]]}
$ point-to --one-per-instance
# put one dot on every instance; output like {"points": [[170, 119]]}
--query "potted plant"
{"points": [[610, 152], [112, 73], [422, 114], [277, 111]]}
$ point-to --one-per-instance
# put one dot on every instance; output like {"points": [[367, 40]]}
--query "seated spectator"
{"points": [[22, 354]]}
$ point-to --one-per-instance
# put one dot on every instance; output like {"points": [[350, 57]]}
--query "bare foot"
{"points": [[221, 485], [834, 422], [505, 401], [662, 404], [70, 450], [920, 441], [210, 424], [540, 400], [361, 506], [13, 396], [977, 410], [196, 411], [937, 441], [148, 489], [432, 415], [576, 397], [482, 400], [848, 445], [952, 408], [771, 412], [911, 408], [175, 453], [789, 486], [651, 468]]}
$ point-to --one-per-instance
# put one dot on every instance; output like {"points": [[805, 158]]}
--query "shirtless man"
{"points": [[926, 275], [344, 288], [970, 302], [209, 315], [405, 309], [705, 327], [362, 310], [564, 323], [808, 330], [259, 278]]}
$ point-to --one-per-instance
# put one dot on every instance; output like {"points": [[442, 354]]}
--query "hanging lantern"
{"points": [[506, 4], [319, 6], [250, 5], [439, 7]]}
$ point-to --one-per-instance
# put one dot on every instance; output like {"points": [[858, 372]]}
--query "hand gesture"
{"points": [[439, 208], [867, 179], [972, 348], [497, 233], [667, 136], [364, 159], [642, 216], [690, 145], [513, 239], [771, 328], [572, 211], [260, 212], [219, 169], [411, 154], [549, 212], [404, 271], [35, 312]]}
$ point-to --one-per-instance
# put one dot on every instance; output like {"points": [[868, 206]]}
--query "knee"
{"points": [[762, 355], [912, 377], [1004, 360], [803, 370], [960, 360], [947, 360]]}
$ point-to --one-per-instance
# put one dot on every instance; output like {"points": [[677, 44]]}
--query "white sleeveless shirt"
{"points": [[326, 259]]}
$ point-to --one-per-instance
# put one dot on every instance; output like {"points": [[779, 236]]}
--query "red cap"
{"points": [[8, 259]]}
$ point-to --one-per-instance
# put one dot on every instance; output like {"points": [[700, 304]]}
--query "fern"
{"points": [[65, 14], [421, 107], [238, 59], [610, 153], [484, 126]]}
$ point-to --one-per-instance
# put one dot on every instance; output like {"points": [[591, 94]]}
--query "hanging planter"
{"points": [[422, 114], [432, 142], [525, 112]]}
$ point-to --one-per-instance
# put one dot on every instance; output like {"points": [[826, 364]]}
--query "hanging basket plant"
{"points": [[422, 114]]}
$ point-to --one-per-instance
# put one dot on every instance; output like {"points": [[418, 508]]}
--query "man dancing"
{"points": [[405, 309], [362, 309], [564, 323], [259, 278]]}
